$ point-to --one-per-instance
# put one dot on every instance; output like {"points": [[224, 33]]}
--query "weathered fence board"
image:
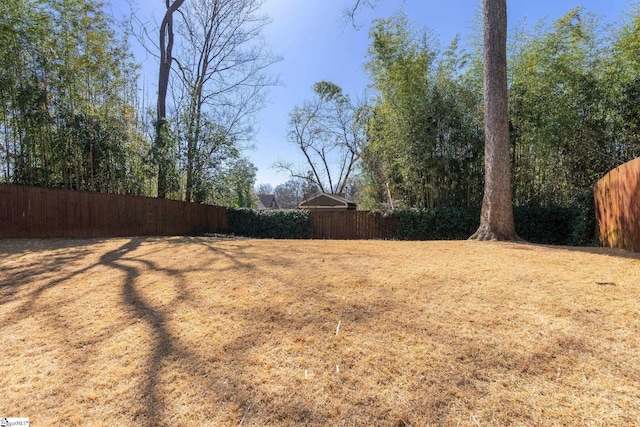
{"points": [[617, 199], [347, 225], [34, 212]]}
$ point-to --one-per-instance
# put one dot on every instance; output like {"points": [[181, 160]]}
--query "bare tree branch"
{"points": [[349, 13], [327, 132], [222, 65], [166, 55]]}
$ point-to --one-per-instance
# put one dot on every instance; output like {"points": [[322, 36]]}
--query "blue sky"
{"points": [[315, 45]]}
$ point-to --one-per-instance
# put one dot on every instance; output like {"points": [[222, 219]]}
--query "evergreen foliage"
{"points": [[431, 224], [571, 225], [271, 224], [67, 99], [424, 137], [574, 115], [583, 220]]}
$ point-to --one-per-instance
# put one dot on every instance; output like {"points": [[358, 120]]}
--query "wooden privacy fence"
{"points": [[37, 212], [34, 212], [348, 225], [617, 199]]}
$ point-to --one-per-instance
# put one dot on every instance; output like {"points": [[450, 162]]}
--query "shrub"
{"points": [[544, 225], [572, 225], [431, 224], [273, 224], [583, 225]]}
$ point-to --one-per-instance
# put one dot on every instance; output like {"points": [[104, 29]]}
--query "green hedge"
{"points": [[432, 224], [270, 224], [572, 225], [583, 224], [546, 225]]}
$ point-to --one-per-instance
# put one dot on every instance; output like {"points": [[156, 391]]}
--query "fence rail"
{"points": [[34, 212], [617, 199]]}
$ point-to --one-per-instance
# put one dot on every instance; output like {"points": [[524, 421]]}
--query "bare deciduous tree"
{"points": [[349, 13], [222, 64], [162, 127], [329, 134]]}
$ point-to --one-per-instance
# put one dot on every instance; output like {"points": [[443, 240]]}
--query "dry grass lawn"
{"points": [[192, 331]]}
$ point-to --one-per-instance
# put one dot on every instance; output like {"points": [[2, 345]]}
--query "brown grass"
{"points": [[221, 332]]}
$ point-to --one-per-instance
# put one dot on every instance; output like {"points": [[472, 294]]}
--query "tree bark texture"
{"points": [[496, 219], [166, 47], [166, 56]]}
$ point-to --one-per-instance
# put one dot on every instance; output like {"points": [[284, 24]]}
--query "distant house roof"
{"points": [[267, 201], [327, 201]]}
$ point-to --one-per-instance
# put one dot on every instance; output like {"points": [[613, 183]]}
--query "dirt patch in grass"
{"points": [[221, 332]]}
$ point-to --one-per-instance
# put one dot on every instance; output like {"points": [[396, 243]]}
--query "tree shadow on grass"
{"points": [[163, 343], [291, 331], [20, 274], [12, 247], [236, 254], [231, 368], [610, 252], [167, 348], [28, 283]]}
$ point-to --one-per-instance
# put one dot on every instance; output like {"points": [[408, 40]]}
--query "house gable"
{"points": [[267, 201], [327, 201]]}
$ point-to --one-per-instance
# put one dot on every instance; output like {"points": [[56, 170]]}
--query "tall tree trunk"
{"points": [[496, 219], [162, 126], [193, 137], [166, 56]]}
